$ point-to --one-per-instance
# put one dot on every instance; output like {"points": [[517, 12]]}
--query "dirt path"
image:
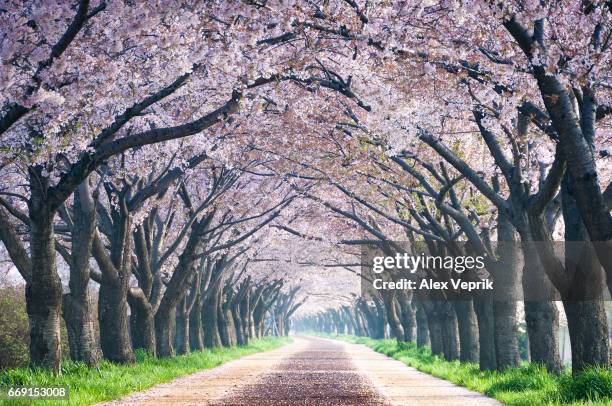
{"points": [[311, 371]]}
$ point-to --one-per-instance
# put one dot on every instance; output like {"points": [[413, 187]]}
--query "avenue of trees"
{"points": [[153, 154]]}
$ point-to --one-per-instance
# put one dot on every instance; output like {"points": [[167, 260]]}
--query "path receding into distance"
{"points": [[310, 371]]}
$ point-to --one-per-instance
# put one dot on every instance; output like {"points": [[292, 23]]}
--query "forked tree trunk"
{"points": [[77, 306], [397, 332], [114, 285], [183, 277]]}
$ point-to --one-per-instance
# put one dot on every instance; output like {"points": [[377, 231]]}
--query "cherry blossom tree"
{"points": [[192, 149]]}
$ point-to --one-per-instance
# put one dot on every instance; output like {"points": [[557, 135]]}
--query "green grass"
{"points": [[525, 386], [111, 381]]}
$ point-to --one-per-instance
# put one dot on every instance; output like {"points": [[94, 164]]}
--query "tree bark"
{"points": [[392, 318], [210, 318], [506, 275], [227, 325], [588, 329], [575, 138], [468, 331], [450, 332], [142, 324], [407, 315], [196, 334], [81, 330], [177, 287], [181, 336], [238, 325], [435, 330], [584, 308], [423, 339], [541, 316], [486, 328], [44, 289], [77, 307], [114, 323], [114, 285]]}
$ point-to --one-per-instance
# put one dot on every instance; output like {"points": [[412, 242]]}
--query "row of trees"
{"points": [[505, 151], [91, 91], [172, 252], [431, 212], [158, 139]]}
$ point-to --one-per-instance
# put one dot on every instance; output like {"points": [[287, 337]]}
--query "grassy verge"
{"points": [[525, 386], [111, 381]]}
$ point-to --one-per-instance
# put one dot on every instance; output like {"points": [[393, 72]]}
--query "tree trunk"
{"points": [[251, 323], [244, 309], [435, 332], [181, 336], [210, 318], [165, 324], [114, 324], [196, 334], [423, 339], [588, 329], [379, 319], [507, 276], [506, 334], [575, 138], [392, 318], [486, 333], [407, 315], [81, 330], [542, 326], [238, 327], [227, 326], [44, 289], [584, 307], [183, 277], [541, 316], [450, 332], [77, 307], [468, 331], [142, 324], [435, 321]]}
